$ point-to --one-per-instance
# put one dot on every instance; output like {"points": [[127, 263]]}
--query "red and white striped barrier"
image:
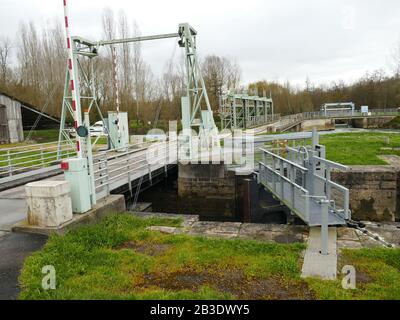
{"points": [[71, 68], [115, 71]]}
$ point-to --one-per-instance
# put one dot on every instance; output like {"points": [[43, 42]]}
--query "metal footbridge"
{"points": [[300, 178]]}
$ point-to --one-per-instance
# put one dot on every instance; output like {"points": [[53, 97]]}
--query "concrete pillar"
{"points": [[49, 203], [208, 190]]}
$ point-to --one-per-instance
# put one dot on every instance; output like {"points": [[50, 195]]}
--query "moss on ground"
{"points": [[120, 259]]}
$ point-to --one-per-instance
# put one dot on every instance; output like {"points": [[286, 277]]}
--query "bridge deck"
{"points": [[13, 206], [300, 207]]}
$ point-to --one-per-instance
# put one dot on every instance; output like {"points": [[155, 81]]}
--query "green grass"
{"points": [[93, 263], [359, 148], [120, 259], [43, 136], [377, 274]]}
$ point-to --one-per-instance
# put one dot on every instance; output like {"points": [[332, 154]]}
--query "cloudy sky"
{"points": [[274, 40]]}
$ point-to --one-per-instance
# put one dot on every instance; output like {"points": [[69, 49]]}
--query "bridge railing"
{"points": [[285, 180], [120, 169], [350, 113], [20, 159], [338, 195]]}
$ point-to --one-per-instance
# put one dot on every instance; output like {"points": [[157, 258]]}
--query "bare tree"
{"points": [[108, 24], [396, 60], [137, 65], [5, 51], [220, 72], [126, 55]]}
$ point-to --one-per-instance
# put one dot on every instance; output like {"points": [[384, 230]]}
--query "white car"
{"points": [[97, 129]]}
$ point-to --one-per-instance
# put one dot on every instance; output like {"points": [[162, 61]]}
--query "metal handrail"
{"points": [[129, 164], [285, 160]]}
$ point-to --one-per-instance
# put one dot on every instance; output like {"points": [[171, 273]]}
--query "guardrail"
{"points": [[113, 172], [25, 158], [280, 176], [303, 175], [349, 113], [285, 122]]}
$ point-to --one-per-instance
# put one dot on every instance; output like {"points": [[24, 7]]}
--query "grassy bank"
{"points": [[43, 136], [120, 259], [361, 148], [377, 276], [393, 124], [358, 148]]}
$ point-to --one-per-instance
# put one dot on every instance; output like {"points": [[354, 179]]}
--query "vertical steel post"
{"points": [[324, 227], [307, 206], [315, 138], [107, 174], [93, 199], [9, 163], [327, 182], [273, 174], [41, 156], [282, 181], [293, 179]]}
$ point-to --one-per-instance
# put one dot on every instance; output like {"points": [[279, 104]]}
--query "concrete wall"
{"points": [[371, 123], [373, 192], [320, 124], [208, 190], [14, 117]]}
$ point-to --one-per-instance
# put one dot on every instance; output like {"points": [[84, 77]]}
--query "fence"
{"points": [[25, 158], [349, 113], [112, 172]]}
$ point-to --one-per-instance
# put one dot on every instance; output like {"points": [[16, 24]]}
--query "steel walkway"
{"points": [[301, 180]]}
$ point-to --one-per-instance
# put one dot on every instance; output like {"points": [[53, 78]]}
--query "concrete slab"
{"points": [[166, 230], [318, 265], [227, 230], [110, 204], [348, 244], [12, 211], [273, 233], [13, 206]]}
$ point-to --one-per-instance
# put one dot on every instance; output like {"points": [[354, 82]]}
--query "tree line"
{"points": [[37, 76], [376, 90]]}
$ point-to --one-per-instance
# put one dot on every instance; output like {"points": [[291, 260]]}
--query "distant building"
{"points": [[17, 116]]}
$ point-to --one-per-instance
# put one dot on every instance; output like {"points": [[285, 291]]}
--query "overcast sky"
{"points": [[275, 40]]}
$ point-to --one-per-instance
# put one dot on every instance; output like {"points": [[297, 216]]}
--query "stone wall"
{"points": [[371, 123], [208, 190], [373, 192]]}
